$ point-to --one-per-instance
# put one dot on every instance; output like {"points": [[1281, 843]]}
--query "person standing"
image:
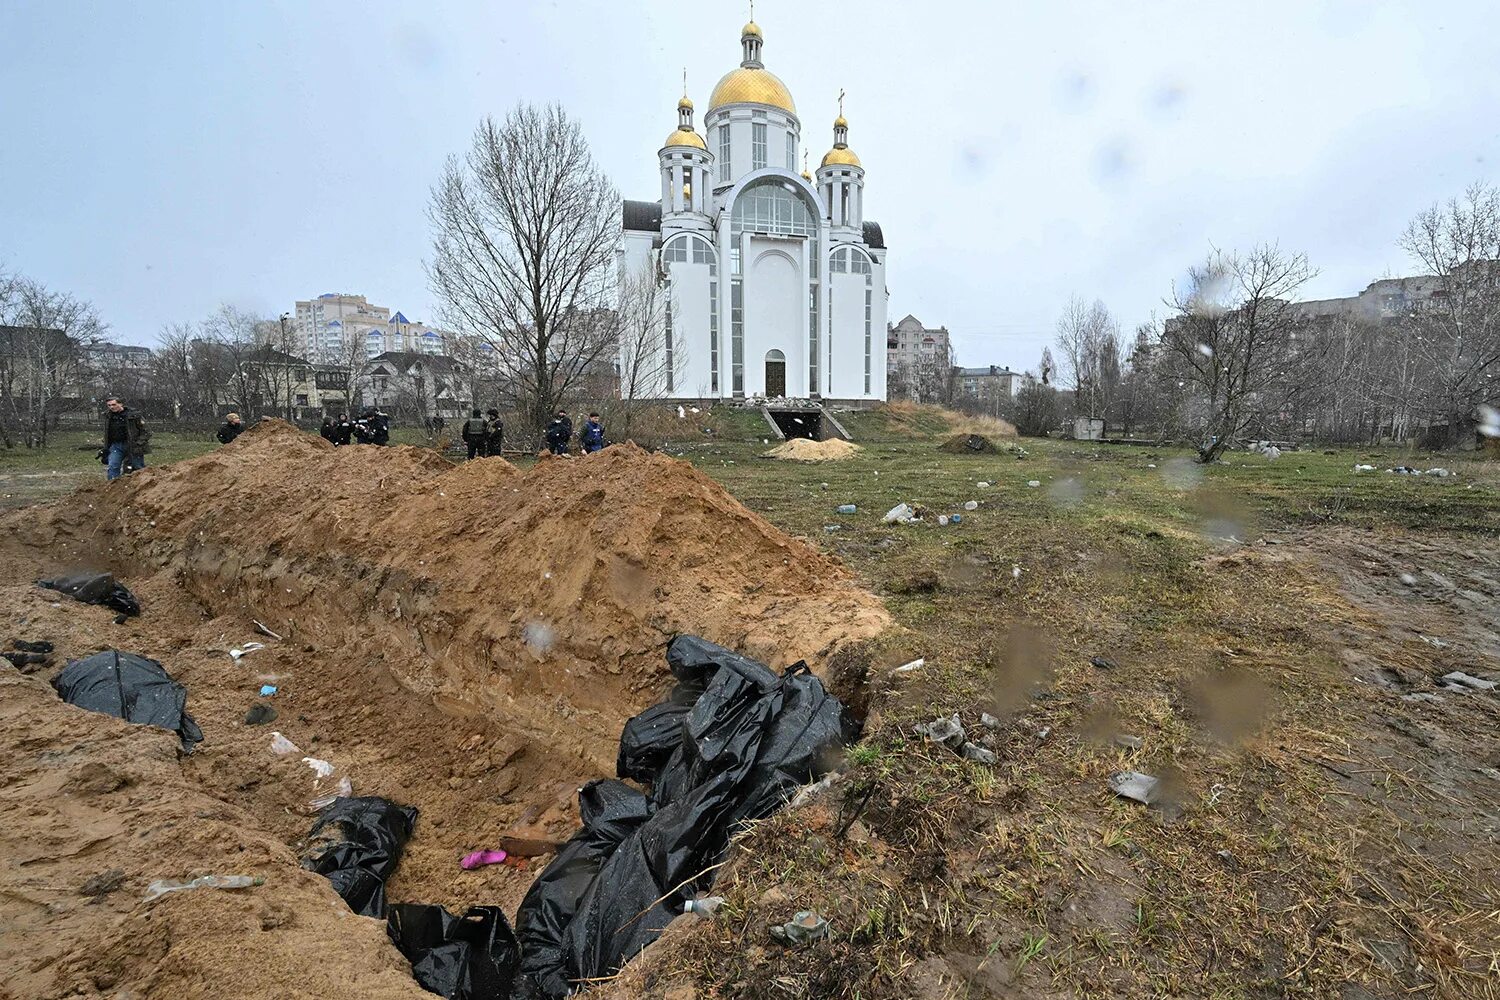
{"points": [[496, 436], [326, 432], [591, 436], [230, 429], [476, 434], [558, 433], [380, 428], [126, 439], [342, 430]]}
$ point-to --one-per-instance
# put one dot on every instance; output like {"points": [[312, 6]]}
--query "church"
{"points": [[774, 280]]}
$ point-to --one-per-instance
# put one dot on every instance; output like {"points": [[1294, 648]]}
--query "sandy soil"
{"points": [[805, 450], [467, 640]]}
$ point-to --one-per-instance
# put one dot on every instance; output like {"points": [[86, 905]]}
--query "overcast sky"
{"points": [[160, 158]]}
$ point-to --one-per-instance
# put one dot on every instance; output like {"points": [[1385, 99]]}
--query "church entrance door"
{"points": [[775, 374]]}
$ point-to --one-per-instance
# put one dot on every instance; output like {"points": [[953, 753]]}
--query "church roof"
{"points": [[752, 85], [643, 216], [685, 137], [874, 238]]}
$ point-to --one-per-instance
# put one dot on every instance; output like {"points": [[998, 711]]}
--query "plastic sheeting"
{"points": [[372, 834], [472, 957], [95, 588], [129, 687], [734, 745]]}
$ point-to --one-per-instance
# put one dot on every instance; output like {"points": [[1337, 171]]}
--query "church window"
{"points": [[791, 150], [671, 366], [737, 336], [758, 146], [724, 153]]}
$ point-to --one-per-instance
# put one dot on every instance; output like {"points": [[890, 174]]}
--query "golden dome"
{"points": [[841, 156], [686, 137], [752, 29], [751, 86], [807, 176], [684, 104], [841, 122]]}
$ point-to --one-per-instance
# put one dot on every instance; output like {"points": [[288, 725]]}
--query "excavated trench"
{"points": [[465, 639]]}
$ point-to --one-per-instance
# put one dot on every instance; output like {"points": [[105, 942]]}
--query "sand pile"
{"points": [[476, 580], [806, 450]]}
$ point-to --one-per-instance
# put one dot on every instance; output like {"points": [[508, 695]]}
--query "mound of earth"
{"points": [[963, 444], [807, 450], [466, 639], [477, 580]]}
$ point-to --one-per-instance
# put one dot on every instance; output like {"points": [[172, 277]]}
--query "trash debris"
{"points": [[163, 886], [370, 833], [32, 647], [1135, 786], [748, 739], [948, 732], [848, 508], [328, 785], [806, 793], [956, 519], [1364, 468], [1440, 473], [982, 485], [900, 513], [266, 690], [805, 928], [472, 957], [831, 528], [971, 505], [1272, 452], [478, 859], [95, 588], [101, 885], [1034, 483], [259, 714], [912, 667], [1469, 681], [26, 662], [129, 687], [1129, 742], [975, 752], [703, 905], [1103, 662], [281, 746], [263, 630], [249, 647], [943, 520]]}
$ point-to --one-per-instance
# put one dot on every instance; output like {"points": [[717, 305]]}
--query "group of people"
{"points": [[371, 427], [483, 433], [559, 432]]}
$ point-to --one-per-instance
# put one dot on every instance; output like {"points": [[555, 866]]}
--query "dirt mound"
{"points": [[475, 580], [963, 444], [806, 450]]}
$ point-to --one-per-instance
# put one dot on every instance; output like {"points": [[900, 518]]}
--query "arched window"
{"points": [[778, 207], [695, 249]]}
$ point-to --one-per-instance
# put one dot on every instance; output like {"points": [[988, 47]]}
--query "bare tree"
{"points": [[1453, 337], [41, 356], [1236, 344], [1089, 338], [524, 234], [642, 333]]}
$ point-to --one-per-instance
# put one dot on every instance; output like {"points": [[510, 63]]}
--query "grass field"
{"points": [[1319, 834]]}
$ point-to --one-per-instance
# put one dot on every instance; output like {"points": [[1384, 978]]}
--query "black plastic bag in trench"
{"points": [[129, 687], [748, 741], [95, 588], [373, 832], [472, 957]]}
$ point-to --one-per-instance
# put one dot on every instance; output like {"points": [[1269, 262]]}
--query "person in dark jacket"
{"points": [[326, 432], [496, 436], [380, 428], [558, 433], [126, 439], [476, 433], [230, 429], [591, 436], [343, 430]]}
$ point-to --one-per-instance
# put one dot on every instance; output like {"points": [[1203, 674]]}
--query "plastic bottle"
{"points": [[848, 508], [705, 905]]}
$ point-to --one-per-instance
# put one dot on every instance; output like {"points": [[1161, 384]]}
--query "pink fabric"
{"points": [[481, 858]]}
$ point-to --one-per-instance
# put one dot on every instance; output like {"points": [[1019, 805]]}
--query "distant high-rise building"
{"points": [[329, 325]]}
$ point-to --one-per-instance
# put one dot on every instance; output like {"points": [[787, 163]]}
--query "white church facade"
{"points": [[774, 279]]}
